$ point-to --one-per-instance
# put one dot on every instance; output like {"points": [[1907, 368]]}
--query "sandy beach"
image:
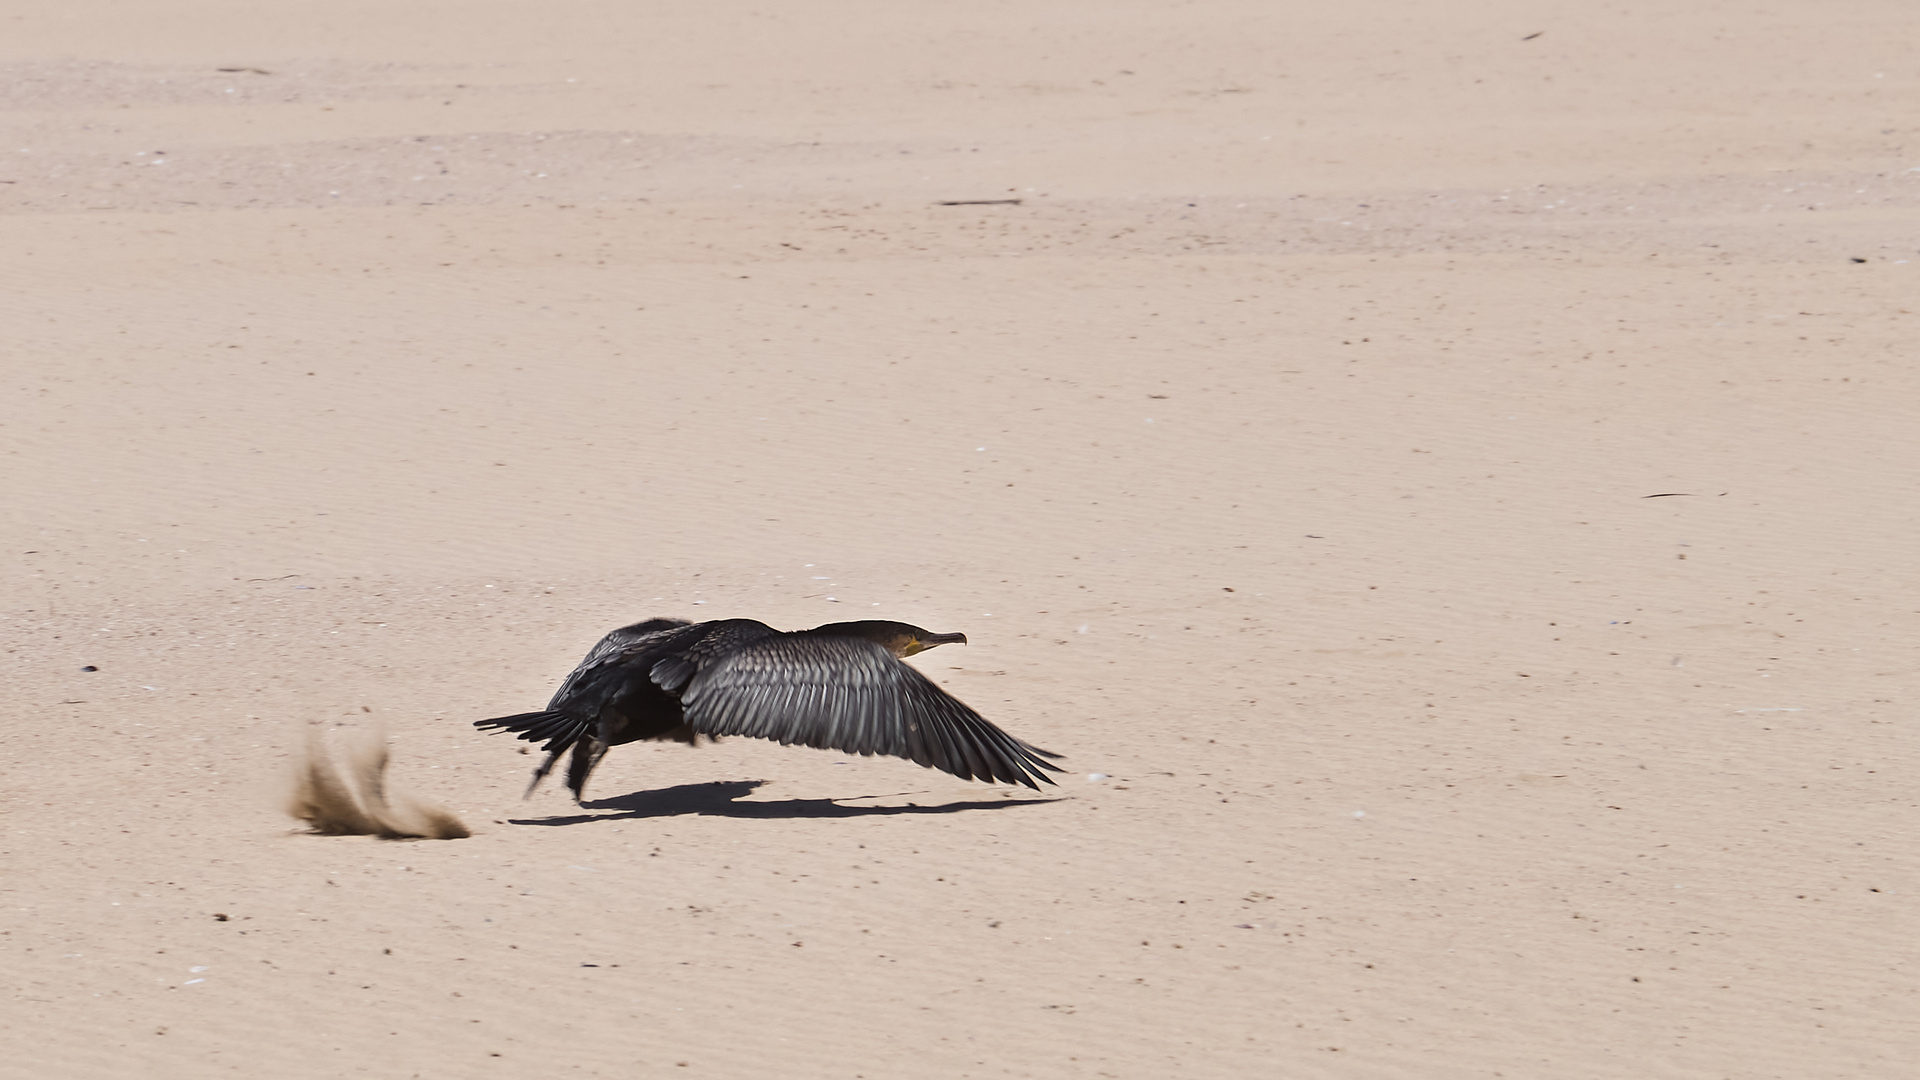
{"points": [[1443, 475]]}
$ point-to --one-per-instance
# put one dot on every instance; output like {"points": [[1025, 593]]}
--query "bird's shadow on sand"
{"points": [[717, 799]]}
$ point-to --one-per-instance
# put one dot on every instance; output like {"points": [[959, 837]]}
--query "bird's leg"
{"points": [[540, 773], [587, 752]]}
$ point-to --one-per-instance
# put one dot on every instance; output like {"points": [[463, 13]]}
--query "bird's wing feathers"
{"points": [[844, 694], [674, 665], [623, 654]]}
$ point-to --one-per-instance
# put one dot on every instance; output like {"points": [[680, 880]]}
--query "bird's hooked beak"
{"points": [[919, 645]]}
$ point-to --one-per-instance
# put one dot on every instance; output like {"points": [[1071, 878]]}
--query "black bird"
{"points": [[840, 687]]}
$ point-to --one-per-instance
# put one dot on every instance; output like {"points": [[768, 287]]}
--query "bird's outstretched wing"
{"points": [[850, 695]]}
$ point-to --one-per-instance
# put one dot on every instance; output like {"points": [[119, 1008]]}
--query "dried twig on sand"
{"points": [[353, 802]]}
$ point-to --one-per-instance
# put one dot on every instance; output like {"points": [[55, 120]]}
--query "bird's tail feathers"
{"points": [[559, 730]]}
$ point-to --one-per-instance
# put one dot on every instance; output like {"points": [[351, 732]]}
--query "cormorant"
{"points": [[840, 687]]}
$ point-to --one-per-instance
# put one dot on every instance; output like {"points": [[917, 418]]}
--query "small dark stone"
{"points": [[89, 667], [1859, 260]]}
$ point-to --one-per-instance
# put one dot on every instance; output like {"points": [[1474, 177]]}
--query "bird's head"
{"points": [[902, 639]]}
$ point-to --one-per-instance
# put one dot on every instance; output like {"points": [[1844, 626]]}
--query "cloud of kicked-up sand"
{"points": [[353, 801]]}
